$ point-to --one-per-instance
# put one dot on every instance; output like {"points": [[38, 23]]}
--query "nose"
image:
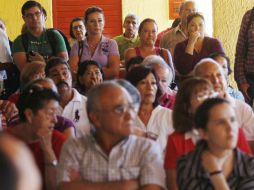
{"points": [[149, 85], [214, 79]]}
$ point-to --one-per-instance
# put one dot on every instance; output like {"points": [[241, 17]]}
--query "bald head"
{"points": [[209, 69]]}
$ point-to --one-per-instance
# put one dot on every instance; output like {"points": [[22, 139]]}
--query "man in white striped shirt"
{"points": [[110, 157]]}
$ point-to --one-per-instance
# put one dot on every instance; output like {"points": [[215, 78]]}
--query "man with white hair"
{"points": [[129, 38], [209, 69]]}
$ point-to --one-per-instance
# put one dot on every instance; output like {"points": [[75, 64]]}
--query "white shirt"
{"points": [[75, 110], [159, 123], [5, 51]]}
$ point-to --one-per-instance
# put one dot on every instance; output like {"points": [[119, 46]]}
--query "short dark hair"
{"points": [[137, 60], [83, 66], [183, 120], [29, 4], [222, 54], [194, 15], [139, 73], [145, 21], [91, 10], [34, 97], [203, 111], [72, 21], [54, 61]]}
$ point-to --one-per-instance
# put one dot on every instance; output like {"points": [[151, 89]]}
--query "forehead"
{"points": [[197, 19], [121, 96], [130, 19], [78, 22], [95, 15], [92, 67], [209, 68], [33, 9], [221, 110], [189, 5], [59, 67]]}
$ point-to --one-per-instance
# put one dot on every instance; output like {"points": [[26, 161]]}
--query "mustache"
{"points": [[61, 83]]}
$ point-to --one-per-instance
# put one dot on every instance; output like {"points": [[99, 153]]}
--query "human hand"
{"points": [[96, 80], [45, 136], [193, 37], [130, 185], [35, 56], [8, 108], [243, 87]]}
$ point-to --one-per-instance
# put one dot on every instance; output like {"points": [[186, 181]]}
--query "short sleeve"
{"points": [[113, 47], [17, 45], [60, 44]]}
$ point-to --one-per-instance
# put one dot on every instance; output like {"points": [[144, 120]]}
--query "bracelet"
{"points": [[215, 173]]}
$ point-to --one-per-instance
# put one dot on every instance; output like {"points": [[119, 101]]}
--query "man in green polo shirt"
{"points": [[35, 44], [129, 38]]}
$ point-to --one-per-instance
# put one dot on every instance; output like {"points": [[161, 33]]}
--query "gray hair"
{"points": [[184, 3], [133, 16], [204, 61], [153, 60]]}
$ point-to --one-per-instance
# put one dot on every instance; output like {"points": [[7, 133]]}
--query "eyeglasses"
{"points": [[80, 27], [121, 109], [31, 15]]}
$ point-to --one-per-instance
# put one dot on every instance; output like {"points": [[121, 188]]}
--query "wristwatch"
{"points": [[52, 163]]}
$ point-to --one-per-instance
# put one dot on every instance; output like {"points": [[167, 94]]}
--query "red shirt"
{"points": [[177, 146]]}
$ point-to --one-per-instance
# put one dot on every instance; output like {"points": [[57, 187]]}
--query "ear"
{"points": [[29, 115], [95, 119], [203, 134]]}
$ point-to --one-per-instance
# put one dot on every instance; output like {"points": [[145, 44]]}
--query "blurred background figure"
{"points": [[18, 169], [77, 32]]}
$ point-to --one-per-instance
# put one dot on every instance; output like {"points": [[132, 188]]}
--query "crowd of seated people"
{"points": [[116, 114]]}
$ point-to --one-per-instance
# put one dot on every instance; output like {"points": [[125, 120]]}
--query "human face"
{"points": [[95, 23], [223, 63], [61, 76], [222, 128], [116, 115], [79, 30], [187, 10], [34, 18], [199, 96], [45, 118], [131, 26], [165, 77], [92, 76], [40, 74], [197, 24], [147, 89], [214, 73], [148, 34]]}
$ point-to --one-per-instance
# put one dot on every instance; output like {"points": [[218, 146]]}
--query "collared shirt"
{"points": [[171, 38], [192, 176], [235, 93], [132, 158], [5, 51], [104, 49], [125, 43], [244, 116], [160, 123], [75, 110], [244, 58]]}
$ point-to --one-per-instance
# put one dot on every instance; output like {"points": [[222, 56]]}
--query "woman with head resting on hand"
{"points": [[198, 46], [191, 94], [216, 162]]}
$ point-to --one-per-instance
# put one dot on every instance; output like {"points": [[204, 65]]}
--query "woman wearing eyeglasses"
{"points": [[77, 31], [191, 94], [96, 47], [153, 121]]}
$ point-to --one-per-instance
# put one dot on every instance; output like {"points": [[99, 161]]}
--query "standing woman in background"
{"points": [[97, 47], [77, 31]]}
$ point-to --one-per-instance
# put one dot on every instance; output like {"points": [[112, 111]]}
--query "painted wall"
{"points": [[156, 9], [227, 19], [10, 12]]}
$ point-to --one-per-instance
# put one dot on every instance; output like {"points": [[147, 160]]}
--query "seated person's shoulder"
{"points": [[18, 45]]}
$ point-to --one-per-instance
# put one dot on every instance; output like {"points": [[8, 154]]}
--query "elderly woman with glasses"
{"points": [[77, 31], [191, 94]]}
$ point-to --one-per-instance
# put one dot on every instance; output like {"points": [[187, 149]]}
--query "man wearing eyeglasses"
{"points": [[34, 44], [209, 69], [110, 157]]}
